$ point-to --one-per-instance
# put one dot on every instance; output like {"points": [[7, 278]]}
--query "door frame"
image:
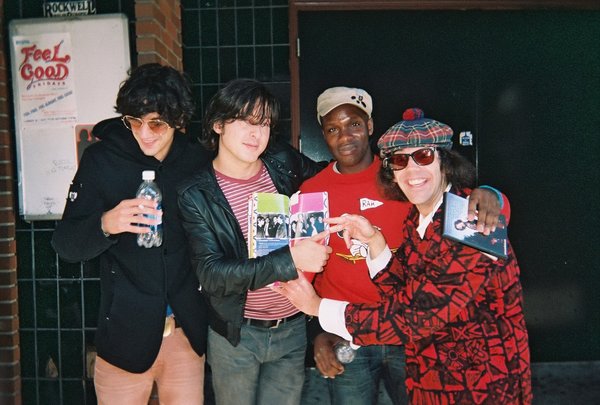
{"points": [[295, 6]]}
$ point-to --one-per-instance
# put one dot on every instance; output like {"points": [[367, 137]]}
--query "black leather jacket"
{"points": [[219, 250]]}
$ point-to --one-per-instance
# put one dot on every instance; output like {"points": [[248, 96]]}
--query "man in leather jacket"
{"points": [[152, 320], [257, 340]]}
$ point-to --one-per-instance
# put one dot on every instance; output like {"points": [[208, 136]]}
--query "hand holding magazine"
{"points": [[276, 220]]}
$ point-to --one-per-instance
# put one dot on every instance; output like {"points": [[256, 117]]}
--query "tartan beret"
{"points": [[416, 130]]}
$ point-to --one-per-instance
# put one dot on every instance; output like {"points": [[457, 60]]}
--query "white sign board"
{"points": [[65, 76]]}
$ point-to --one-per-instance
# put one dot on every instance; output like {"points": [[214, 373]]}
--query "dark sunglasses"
{"points": [[158, 127], [399, 161]]}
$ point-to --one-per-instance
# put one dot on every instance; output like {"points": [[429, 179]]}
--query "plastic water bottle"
{"points": [[150, 191], [344, 352]]}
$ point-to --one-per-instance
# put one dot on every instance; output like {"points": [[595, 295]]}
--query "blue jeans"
{"points": [[266, 367], [359, 383]]}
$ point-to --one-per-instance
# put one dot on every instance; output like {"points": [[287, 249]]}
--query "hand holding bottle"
{"points": [[128, 213], [324, 355], [141, 215]]}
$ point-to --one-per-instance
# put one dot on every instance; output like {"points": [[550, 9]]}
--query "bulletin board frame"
{"points": [[65, 76]]}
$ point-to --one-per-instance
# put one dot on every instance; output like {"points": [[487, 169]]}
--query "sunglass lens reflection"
{"points": [[132, 122], [398, 162], [422, 157], [157, 126]]}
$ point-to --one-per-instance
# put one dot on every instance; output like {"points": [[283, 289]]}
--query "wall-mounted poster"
{"points": [[45, 79], [66, 73]]}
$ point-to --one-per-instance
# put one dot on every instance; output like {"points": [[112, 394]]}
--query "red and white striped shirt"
{"points": [[263, 303]]}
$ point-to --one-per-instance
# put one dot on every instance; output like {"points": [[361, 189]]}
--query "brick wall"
{"points": [[158, 32], [10, 380]]}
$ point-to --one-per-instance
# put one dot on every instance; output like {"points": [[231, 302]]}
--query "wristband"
{"points": [[498, 194]]}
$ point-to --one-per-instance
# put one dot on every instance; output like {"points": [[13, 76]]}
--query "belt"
{"points": [[271, 323]]}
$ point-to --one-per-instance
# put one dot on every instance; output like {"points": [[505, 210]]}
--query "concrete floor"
{"points": [[576, 383]]}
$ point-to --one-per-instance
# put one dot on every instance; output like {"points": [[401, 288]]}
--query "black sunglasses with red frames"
{"points": [[158, 127], [398, 161]]}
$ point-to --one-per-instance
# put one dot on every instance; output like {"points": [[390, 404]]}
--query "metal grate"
{"points": [[225, 40]]}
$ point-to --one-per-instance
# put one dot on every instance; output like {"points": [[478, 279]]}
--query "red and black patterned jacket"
{"points": [[460, 315]]}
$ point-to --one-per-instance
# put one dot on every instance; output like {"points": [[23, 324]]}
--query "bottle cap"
{"points": [[148, 175]]}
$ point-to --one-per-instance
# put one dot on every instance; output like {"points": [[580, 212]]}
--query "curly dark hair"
{"points": [[456, 169], [156, 88], [244, 99]]}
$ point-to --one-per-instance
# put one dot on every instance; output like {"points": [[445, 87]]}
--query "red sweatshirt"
{"points": [[346, 276]]}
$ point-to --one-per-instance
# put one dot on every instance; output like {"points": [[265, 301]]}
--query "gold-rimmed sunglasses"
{"points": [[158, 127]]}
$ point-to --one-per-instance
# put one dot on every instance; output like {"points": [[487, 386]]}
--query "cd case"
{"points": [[458, 228]]}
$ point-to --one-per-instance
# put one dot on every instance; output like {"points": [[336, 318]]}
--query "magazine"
{"points": [[458, 228], [276, 220]]}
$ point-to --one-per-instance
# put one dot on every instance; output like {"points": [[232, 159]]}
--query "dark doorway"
{"points": [[527, 85]]}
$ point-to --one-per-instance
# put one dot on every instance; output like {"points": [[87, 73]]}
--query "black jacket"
{"points": [[136, 282], [219, 250]]}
